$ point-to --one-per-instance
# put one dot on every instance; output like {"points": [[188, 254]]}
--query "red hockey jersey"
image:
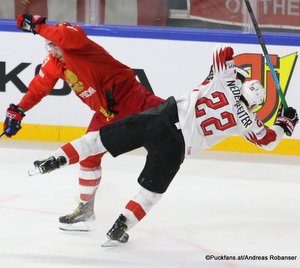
{"points": [[88, 68]]}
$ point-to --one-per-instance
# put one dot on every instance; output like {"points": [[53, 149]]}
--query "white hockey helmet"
{"points": [[253, 92]]}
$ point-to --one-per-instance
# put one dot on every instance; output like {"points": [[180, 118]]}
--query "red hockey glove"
{"points": [[12, 123], [225, 54], [27, 22], [287, 119], [228, 51]]}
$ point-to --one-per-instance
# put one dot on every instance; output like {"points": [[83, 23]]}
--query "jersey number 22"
{"points": [[221, 102]]}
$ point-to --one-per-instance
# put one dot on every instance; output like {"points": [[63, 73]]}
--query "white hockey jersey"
{"points": [[213, 112]]}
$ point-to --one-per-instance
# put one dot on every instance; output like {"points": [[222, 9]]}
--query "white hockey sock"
{"points": [[139, 206], [89, 180], [79, 149]]}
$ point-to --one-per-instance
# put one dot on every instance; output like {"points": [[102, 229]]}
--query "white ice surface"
{"points": [[218, 204]]}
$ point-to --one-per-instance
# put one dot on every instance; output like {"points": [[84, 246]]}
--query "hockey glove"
{"points": [[27, 22], [287, 119], [228, 51], [12, 123], [224, 54]]}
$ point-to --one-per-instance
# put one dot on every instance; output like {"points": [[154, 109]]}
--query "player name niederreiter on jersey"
{"points": [[214, 111]]}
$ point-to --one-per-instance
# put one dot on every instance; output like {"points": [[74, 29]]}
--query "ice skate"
{"points": [[80, 219], [47, 165], [117, 234]]}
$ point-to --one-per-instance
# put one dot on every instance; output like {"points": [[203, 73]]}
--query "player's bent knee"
{"points": [[151, 197]]}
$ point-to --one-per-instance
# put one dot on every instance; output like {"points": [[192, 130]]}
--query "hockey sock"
{"points": [[137, 208], [89, 180], [79, 149]]}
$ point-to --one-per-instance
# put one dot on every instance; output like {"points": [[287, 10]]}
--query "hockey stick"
{"points": [[267, 56], [2, 133]]}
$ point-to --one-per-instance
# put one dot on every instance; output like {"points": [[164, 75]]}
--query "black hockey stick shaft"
{"points": [[3, 133], [265, 51]]}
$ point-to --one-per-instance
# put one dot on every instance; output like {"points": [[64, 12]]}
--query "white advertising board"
{"points": [[172, 68]]}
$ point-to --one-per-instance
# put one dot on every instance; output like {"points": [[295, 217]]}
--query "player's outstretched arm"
{"points": [[39, 87], [222, 60], [268, 138], [63, 34]]}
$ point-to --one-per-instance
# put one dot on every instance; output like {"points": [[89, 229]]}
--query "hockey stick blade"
{"points": [[267, 56]]}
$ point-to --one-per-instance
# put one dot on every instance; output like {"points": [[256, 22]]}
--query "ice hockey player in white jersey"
{"points": [[221, 106]]}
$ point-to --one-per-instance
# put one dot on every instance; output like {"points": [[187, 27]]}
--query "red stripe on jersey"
{"points": [[85, 182], [267, 139], [136, 209], [71, 153]]}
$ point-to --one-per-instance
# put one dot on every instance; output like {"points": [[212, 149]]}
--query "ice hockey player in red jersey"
{"points": [[106, 85], [220, 107]]}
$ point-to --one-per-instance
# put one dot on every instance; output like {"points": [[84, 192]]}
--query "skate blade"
{"points": [[75, 227], [34, 171], [110, 243], [114, 243]]}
